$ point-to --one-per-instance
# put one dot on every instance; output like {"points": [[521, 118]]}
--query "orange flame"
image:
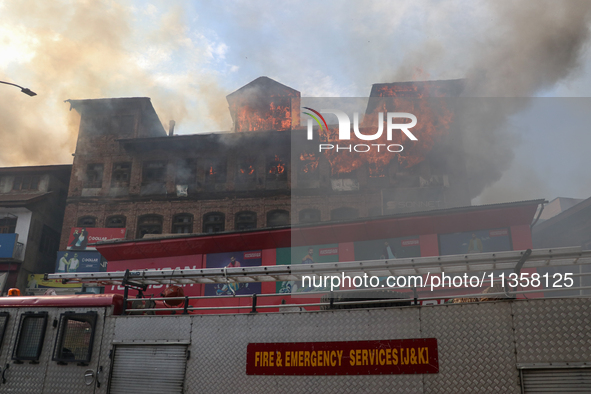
{"points": [[434, 119], [274, 116], [277, 167], [309, 162]]}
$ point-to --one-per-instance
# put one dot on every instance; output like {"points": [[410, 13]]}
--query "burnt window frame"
{"points": [[160, 178], [275, 211], [241, 221], [272, 164], [3, 328], [115, 171], [18, 340], [57, 354], [144, 217], [220, 175], [80, 222], [93, 169], [251, 161], [26, 182], [176, 225], [209, 222], [122, 217], [309, 210]]}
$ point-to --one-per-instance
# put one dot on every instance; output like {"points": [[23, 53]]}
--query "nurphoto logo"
{"points": [[345, 130]]}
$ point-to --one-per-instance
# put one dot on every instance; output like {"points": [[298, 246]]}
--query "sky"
{"points": [[188, 55]]}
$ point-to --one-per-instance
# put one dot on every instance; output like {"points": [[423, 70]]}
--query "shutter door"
{"points": [[148, 369], [559, 380]]}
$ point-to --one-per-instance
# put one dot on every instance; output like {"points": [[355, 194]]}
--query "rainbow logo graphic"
{"points": [[316, 118]]}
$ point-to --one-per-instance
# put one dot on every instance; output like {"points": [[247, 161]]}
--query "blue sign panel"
{"points": [[7, 245], [70, 261]]}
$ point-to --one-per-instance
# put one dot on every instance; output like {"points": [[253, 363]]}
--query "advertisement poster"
{"points": [[83, 238], [230, 260], [481, 241], [390, 248], [7, 244], [305, 255], [73, 261]]}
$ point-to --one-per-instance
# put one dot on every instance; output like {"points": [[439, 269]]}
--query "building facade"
{"points": [[128, 172], [32, 204]]}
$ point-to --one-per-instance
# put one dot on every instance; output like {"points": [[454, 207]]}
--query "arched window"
{"points": [[149, 224], [117, 221], [277, 217], [214, 222], [245, 220], [309, 215], [344, 213], [182, 223], [87, 221]]}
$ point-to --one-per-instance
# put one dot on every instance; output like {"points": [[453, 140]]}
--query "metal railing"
{"points": [[488, 266]]}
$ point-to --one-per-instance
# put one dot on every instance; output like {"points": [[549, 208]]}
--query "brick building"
{"points": [[128, 172]]}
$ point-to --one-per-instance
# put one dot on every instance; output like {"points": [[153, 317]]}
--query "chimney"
{"points": [[171, 128]]}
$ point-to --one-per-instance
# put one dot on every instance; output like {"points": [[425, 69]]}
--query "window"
{"points": [[26, 182], [309, 215], [31, 333], [215, 172], [50, 240], [154, 172], [182, 224], [246, 170], [245, 220], [214, 222], [149, 224], [278, 217], [344, 213], [277, 169], [94, 176], [186, 172], [121, 175], [4, 316], [87, 221], [75, 337], [7, 225], [115, 221]]}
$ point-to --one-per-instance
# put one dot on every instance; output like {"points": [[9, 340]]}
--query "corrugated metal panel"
{"points": [[560, 380], [148, 369]]}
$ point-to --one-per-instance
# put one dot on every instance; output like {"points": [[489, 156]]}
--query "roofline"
{"points": [[562, 215]]}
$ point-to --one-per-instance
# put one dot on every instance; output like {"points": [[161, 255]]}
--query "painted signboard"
{"points": [[398, 356], [84, 238], [7, 245], [251, 258], [74, 261]]}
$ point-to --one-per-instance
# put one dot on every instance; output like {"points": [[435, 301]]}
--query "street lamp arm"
{"points": [[24, 90]]}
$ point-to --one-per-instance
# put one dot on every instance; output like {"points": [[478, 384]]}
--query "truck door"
{"points": [[51, 350]]}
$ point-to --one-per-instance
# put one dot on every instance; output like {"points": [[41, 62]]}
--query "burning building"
{"points": [[128, 172]]}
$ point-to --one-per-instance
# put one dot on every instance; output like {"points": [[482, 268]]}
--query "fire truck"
{"points": [[342, 341]]}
